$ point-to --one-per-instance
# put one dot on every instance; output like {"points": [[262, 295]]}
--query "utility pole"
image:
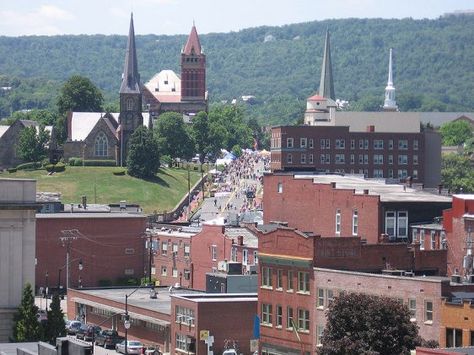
{"points": [[67, 236]]}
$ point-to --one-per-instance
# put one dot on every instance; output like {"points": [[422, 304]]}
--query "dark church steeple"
{"points": [[130, 117], [326, 85], [193, 69]]}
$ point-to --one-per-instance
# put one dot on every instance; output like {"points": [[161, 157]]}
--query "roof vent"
{"points": [[366, 191]]}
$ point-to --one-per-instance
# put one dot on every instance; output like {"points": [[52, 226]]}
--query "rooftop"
{"points": [[250, 239], [375, 187], [218, 297]]}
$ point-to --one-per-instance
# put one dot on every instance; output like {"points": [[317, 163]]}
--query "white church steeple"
{"points": [[390, 104]]}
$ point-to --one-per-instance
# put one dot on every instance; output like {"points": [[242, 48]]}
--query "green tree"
{"points": [[365, 324], [55, 325], [26, 327], [79, 94], [143, 159], [455, 132], [457, 173], [200, 135], [173, 137], [32, 146]]}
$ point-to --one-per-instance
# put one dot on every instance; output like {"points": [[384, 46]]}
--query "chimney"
{"points": [[240, 240], [84, 201], [371, 128], [333, 185], [366, 191]]}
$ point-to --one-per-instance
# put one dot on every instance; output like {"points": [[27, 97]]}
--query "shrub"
{"points": [[59, 167], [108, 162], [166, 159], [12, 170], [29, 166], [119, 172]]}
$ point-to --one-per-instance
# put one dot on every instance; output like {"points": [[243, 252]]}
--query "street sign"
{"points": [[203, 335], [253, 345]]}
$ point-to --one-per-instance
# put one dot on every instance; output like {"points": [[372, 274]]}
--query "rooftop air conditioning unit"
{"points": [[222, 266]]}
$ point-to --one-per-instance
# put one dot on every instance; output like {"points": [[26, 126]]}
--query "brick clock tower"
{"points": [[193, 69], [130, 117]]}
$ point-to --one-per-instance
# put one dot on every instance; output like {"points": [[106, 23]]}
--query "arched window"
{"points": [[130, 104], [101, 145]]}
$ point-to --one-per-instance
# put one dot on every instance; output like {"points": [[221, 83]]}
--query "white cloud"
{"points": [[41, 21]]}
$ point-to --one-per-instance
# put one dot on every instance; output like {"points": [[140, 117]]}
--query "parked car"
{"points": [[133, 347], [108, 338], [86, 332], [73, 326]]}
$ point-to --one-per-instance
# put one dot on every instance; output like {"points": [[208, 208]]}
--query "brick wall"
{"points": [[457, 316]]}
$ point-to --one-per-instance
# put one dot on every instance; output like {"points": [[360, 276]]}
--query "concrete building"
{"points": [[344, 206], [17, 246]]}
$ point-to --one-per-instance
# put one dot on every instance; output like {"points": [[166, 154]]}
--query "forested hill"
{"points": [[433, 64]]}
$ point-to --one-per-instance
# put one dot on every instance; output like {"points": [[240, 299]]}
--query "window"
{"points": [[422, 239], [303, 281], [444, 243], [378, 159], [361, 158], [289, 281], [266, 314], [361, 144], [175, 247], [289, 142], [320, 303], [352, 143], [322, 143], [280, 187], [472, 337], [187, 250], [101, 145], [366, 159], [130, 104], [415, 144], [412, 308], [311, 143], [303, 158], [414, 236], [175, 272], [187, 274], [329, 297], [402, 159], [303, 320], [340, 158], [338, 222], [184, 315], [279, 284], [164, 272], [289, 158], [453, 338], [390, 144], [433, 240], [378, 173], [279, 316], [319, 335], [233, 254], [311, 159], [323, 159], [181, 342], [390, 173], [402, 223], [266, 276], [402, 173], [390, 159], [428, 311], [390, 223], [289, 317], [415, 160], [352, 159], [255, 257], [303, 142], [164, 248], [214, 252], [415, 174], [340, 144], [355, 222], [245, 257], [378, 144], [328, 143], [402, 144], [328, 158]]}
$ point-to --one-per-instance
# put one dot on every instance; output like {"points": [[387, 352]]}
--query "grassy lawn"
{"points": [[101, 186]]}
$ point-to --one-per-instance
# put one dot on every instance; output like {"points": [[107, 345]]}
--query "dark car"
{"points": [[73, 326], [108, 338], [87, 332]]}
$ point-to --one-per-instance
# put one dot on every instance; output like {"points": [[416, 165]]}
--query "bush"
{"points": [[12, 170], [119, 172], [166, 159], [29, 166], [125, 281], [59, 167], [108, 162]]}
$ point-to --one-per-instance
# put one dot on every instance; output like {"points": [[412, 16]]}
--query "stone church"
{"points": [[105, 135]]}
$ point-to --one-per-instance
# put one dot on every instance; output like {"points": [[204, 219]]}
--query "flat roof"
{"points": [[376, 187], [90, 215], [140, 298], [218, 297]]}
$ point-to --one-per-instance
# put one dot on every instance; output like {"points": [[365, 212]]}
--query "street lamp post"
{"points": [[126, 320], [46, 291]]}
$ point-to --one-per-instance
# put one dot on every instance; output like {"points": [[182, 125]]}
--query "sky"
{"points": [[55, 17]]}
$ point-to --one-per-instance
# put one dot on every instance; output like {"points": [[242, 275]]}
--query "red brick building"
{"points": [[346, 206], [299, 273], [110, 246], [185, 254], [337, 149], [228, 318]]}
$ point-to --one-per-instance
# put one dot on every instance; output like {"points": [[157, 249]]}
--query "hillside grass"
{"points": [[101, 186]]}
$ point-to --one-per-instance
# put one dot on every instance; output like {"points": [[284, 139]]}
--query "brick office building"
{"points": [[228, 318], [457, 326], [185, 254], [452, 232], [300, 273], [110, 245], [343, 206]]}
